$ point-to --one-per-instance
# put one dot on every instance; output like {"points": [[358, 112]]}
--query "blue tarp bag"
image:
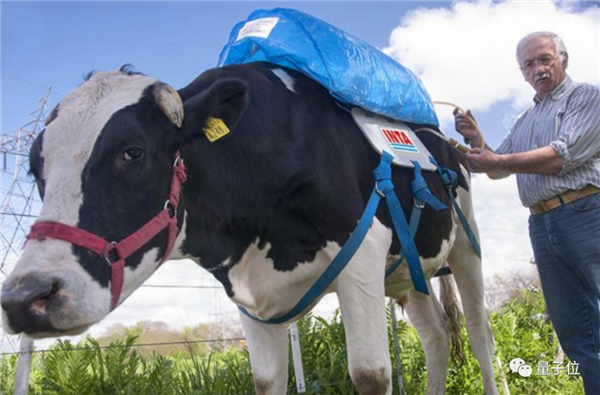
{"points": [[353, 71]]}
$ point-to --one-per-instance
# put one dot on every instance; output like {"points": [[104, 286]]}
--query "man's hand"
{"points": [[463, 122], [482, 160]]}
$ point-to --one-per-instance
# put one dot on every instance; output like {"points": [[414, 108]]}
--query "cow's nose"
{"points": [[26, 301]]}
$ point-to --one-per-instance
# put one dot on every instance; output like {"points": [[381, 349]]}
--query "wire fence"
{"points": [[135, 345]]}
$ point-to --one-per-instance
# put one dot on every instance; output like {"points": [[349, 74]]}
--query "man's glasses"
{"points": [[546, 61]]}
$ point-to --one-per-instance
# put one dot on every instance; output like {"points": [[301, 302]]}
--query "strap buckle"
{"points": [[171, 208], [110, 247], [420, 204]]}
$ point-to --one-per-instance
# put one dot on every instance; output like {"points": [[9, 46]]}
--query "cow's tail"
{"points": [[449, 299]]}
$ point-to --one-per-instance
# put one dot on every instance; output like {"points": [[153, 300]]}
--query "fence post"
{"points": [[297, 356], [396, 346], [23, 366], [503, 377]]}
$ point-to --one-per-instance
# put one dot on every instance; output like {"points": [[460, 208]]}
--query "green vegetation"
{"points": [[87, 368], [166, 341]]}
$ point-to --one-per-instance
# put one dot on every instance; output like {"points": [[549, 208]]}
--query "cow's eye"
{"points": [[133, 153]]}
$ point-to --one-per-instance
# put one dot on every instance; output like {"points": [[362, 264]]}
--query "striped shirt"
{"points": [[568, 120]]}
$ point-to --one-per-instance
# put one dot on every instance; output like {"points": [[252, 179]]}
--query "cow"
{"points": [[257, 174]]}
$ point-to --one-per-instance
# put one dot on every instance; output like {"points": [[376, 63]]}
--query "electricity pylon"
{"points": [[20, 202]]}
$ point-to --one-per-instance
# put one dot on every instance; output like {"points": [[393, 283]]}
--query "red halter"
{"points": [[167, 218]]}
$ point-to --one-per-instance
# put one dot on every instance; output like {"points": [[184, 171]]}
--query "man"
{"points": [[554, 148]]}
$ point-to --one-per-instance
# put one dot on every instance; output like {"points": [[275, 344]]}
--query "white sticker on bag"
{"points": [[258, 28]]}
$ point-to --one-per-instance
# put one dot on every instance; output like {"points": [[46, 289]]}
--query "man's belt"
{"points": [[567, 197]]}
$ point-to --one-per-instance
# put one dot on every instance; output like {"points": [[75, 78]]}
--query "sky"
{"points": [[464, 52]]}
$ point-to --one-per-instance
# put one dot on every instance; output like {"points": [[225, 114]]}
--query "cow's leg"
{"points": [[467, 269], [360, 289], [268, 346], [427, 315]]}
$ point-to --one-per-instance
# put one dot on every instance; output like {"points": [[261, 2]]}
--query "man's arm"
{"points": [[543, 160]]}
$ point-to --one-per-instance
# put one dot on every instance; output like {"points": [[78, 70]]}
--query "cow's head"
{"points": [[103, 165]]}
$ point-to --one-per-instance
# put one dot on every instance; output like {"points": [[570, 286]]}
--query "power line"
{"points": [[19, 215], [508, 259], [124, 346], [12, 153], [505, 231], [30, 82], [184, 286]]}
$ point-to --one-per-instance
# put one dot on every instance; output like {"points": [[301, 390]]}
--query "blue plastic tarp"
{"points": [[353, 71]]}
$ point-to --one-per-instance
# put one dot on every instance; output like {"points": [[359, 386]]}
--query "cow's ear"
{"points": [[216, 111]]}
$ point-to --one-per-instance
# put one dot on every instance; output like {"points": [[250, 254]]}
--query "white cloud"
{"points": [[466, 53], [502, 222]]}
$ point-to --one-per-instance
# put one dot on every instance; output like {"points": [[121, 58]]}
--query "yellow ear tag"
{"points": [[215, 129]]}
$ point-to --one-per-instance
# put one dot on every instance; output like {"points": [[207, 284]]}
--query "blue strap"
{"points": [[468, 229], [383, 174], [415, 218], [334, 268], [421, 191], [422, 195], [450, 180]]}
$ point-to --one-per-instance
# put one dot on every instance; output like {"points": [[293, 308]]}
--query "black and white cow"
{"points": [[265, 209]]}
